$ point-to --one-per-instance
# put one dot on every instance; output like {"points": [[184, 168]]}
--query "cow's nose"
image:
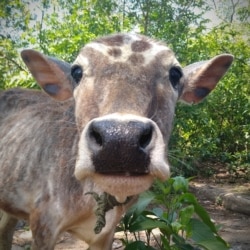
{"points": [[120, 147]]}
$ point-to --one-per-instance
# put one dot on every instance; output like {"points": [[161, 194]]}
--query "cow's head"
{"points": [[125, 88]]}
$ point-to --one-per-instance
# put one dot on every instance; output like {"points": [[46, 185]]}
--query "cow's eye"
{"points": [[76, 73], [175, 75]]}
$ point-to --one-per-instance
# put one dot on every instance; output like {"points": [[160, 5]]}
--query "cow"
{"points": [[100, 128]]}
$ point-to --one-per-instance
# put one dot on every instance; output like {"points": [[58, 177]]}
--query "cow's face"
{"points": [[127, 89], [127, 75], [125, 103]]}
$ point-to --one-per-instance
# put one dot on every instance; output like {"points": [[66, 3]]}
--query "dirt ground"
{"points": [[234, 227]]}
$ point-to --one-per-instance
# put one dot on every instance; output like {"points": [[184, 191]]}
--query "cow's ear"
{"points": [[51, 74], [202, 77]]}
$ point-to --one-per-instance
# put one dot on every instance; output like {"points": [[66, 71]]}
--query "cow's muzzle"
{"points": [[120, 147], [122, 154]]}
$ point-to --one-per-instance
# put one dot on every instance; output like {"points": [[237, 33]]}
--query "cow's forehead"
{"points": [[128, 48]]}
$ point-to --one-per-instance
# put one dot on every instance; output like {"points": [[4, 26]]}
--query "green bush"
{"points": [[183, 223], [216, 130]]}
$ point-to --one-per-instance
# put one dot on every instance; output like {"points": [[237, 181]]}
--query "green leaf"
{"points": [[165, 243], [180, 184], [185, 214], [212, 245], [204, 236], [202, 213], [144, 223], [158, 211], [143, 201], [138, 245], [177, 226], [187, 198]]}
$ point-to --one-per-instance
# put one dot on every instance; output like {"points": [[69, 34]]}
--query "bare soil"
{"points": [[234, 226]]}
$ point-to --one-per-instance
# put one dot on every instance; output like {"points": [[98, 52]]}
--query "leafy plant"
{"points": [[216, 130], [182, 222]]}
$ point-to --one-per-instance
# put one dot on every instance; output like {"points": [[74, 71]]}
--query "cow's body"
{"points": [[111, 137], [55, 197]]}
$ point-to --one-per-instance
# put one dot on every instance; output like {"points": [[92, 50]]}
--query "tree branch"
{"points": [[14, 62]]}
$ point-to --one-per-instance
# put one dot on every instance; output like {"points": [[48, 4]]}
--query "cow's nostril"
{"points": [[96, 136], [146, 137]]}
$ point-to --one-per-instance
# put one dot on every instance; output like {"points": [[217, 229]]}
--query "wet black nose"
{"points": [[120, 147]]}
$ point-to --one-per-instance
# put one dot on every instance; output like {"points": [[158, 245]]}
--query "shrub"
{"points": [[182, 222]]}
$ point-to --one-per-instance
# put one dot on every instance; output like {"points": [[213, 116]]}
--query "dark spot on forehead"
{"points": [[140, 46], [116, 40], [136, 59], [115, 52]]}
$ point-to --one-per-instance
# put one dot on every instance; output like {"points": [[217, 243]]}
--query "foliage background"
{"points": [[218, 129]]}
